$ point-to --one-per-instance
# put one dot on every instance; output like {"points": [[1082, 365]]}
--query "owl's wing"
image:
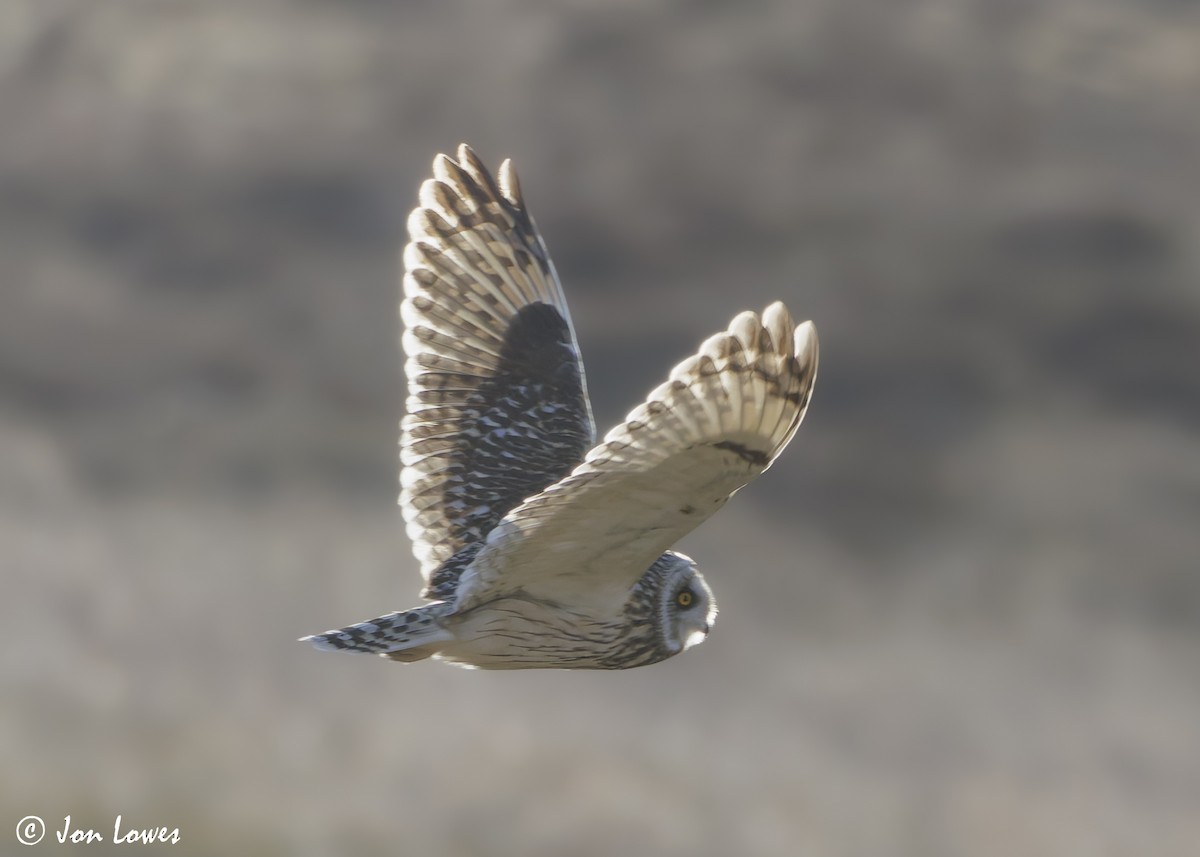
{"points": [[721, 419], [497, 402]]}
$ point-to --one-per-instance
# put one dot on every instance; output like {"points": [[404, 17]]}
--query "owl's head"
{"points": [[686, 607]]}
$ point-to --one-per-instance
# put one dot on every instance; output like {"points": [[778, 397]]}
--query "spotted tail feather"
{"points": [[409, 635]]}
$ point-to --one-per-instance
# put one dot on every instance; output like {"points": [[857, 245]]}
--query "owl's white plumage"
{"points": [[541, 547]]}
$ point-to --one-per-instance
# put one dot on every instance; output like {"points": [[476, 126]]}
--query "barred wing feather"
{"points": [[497, 401]]}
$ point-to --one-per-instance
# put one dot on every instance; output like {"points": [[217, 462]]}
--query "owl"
{"points": [[540, 546]]}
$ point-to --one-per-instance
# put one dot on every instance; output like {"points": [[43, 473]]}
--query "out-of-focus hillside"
{"points": [[960, 615]]}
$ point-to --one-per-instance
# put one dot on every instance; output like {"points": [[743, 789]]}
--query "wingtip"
{"points": [[441, 165], [510, 185], [807, 346], [451, 169], [433, 193], [779, 325], [806, 338], [465, 160], [460, 153]]}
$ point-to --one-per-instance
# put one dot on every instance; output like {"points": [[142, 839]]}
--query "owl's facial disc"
{"points": [[690, 608]]}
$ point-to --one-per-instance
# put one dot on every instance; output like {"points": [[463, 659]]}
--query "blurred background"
{"points": [[961, 615]]}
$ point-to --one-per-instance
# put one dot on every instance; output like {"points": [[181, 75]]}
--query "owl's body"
{"points": [[541, 547], [519, 631]]}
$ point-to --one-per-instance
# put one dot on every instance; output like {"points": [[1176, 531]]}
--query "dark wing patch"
{"points": [[752, 456], [520, 431]]}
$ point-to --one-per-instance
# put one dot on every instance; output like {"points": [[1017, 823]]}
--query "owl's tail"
{"points": [[410, 635]]}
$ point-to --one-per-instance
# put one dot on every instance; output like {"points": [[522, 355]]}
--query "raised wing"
{"points": [[721, 419], [497, 402]]}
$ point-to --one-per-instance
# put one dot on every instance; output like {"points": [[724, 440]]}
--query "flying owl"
{"points": [[541, 547]]}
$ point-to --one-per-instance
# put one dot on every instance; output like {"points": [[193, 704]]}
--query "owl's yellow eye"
{"points": [[685, 598]]}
